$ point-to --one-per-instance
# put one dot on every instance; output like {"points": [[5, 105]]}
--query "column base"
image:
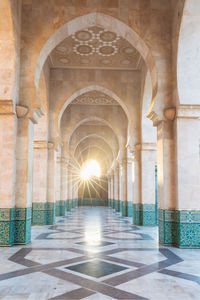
{"points": [[50, 213], [124, 205], [39, 214], [7, 220], [22, 228], [43, 213], [15, 226], [144, 214], [60, 208], [92, 202], [130, 208], [117, 205], [180, 228]]}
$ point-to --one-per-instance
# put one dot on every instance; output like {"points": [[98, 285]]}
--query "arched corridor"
{"points": [[100, 127]]}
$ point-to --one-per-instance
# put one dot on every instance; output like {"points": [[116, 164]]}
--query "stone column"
{"points": [[8, 125], [109, 204], [129, 187], [179, 206], [60, 176], [187, 165], [123, 188], [24, 171], [116, 193], [110, 183], [166, 181], [136, 178], [148, 184], [69, 184], [51, 184], [39, 209], [145, 210], [64, 184]]}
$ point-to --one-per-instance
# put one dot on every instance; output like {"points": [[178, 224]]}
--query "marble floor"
{"points": [[93, 253]]}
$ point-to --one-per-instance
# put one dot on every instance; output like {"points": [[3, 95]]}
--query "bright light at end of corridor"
{"points": [[89, 169]]}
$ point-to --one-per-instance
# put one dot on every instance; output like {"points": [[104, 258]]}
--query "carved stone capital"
{"points": [[170, 113], [21, 111], [50, 145], [154, 118]]}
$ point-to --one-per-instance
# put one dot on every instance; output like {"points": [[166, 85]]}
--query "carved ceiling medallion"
{"points": [[95, 47]]}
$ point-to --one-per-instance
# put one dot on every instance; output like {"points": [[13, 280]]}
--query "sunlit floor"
{"points": [[93, 253]]}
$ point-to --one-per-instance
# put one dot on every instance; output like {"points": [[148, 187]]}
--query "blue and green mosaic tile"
{"points": [[7, 217], [22, 226], [179, 228], [144, 214]]}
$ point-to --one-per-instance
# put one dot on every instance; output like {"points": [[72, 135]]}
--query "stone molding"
{"points": [[154, 118], [7, 107], [188, 112], [146, 147], [40, 145]]}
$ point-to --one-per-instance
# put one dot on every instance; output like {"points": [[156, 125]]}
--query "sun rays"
{"points": [[87, 175]]}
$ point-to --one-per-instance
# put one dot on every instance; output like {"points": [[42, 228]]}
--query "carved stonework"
{"points": [[170, 113], [40, 145], [94, 98], [21, 111], [95, 47]]}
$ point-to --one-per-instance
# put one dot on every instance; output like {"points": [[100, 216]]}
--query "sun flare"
{"points": [[89, 169]]}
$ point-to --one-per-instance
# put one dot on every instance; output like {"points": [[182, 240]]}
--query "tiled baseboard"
{"points": [[92, 202], [144, 214], [15, 226], [43, 213], [179, 228]]}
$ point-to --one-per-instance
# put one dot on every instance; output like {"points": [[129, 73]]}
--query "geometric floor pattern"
{"points": [[93, 253]]}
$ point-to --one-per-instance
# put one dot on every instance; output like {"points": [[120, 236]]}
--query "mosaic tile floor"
{"points": [[93, 253]]}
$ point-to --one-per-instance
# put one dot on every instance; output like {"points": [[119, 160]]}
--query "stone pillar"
{"points": [[8, 125], [39, 209], [179, 213], [74, 190], [145, 210], [69, 185], [129, 187], [60, 186], [136, 178], [116, 192], [109, 191], [166, 181], [123, 188], [51, 184], [113, 189], [148, 184], [64, 184], [187, 164], [23, 184]]}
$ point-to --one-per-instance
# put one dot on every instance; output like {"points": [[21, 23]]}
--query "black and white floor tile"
{"points": [[93, 253]]}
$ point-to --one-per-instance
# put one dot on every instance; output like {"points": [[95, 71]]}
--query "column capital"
{"points": [[21, 111], [169, 114]]}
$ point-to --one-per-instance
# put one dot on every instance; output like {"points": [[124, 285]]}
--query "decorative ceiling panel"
{"points": [[95, 48], [94, 98]]}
